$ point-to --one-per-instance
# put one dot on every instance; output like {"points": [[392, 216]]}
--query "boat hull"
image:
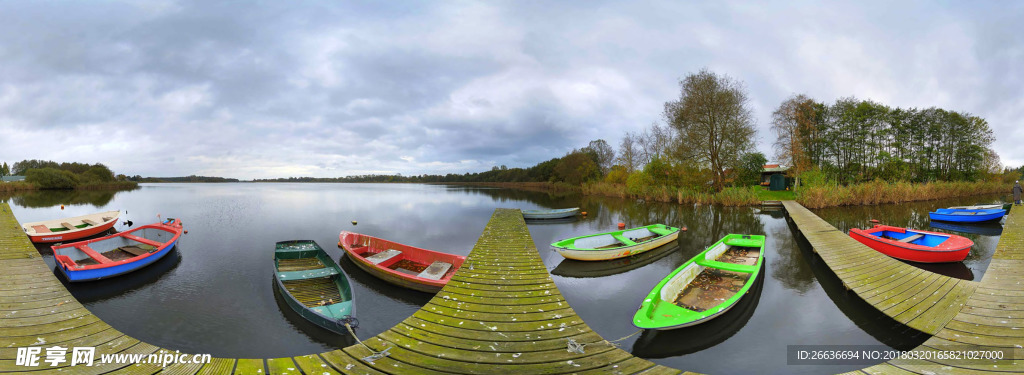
{"points": [[108, 272], [954, 249], [550, 214], [596, 255], [69, 235], [76, 272], [959, 216], [356, 245], [659, 309], [339, 311]]}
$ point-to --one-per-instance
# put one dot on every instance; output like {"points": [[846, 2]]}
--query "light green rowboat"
{"points": [[616, 244], [704, 287]]}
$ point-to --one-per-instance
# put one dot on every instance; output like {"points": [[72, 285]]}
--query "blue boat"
{"points": [[961, 215], [116, 254]]}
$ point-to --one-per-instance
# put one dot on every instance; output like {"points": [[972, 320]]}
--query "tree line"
{"points": [[855, 140], [46, 174]]}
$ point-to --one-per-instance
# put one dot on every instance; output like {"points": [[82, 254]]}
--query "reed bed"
{"points": [[881, 192], [16, 186]]}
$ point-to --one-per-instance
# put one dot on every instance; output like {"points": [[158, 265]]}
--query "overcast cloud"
{"points": [[319, 88]]}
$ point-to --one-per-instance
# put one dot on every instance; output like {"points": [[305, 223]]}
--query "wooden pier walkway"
{"points": [[500, 314], [961, 315]]}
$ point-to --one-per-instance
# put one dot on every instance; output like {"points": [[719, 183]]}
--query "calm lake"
{"points": [[214, 294]]}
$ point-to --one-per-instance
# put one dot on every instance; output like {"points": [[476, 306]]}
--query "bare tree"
{"points": [[654, 141], [712, 119], [605, 154], [629, 152], [794, 124]]}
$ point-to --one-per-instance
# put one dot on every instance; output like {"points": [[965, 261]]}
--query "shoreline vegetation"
{"points": [[50, 175]]}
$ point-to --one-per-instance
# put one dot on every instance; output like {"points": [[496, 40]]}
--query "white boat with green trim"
{"points": [[617, 244]]}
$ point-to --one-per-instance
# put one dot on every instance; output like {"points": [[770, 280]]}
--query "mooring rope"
{"points": [[575, 347], [350, 323]]}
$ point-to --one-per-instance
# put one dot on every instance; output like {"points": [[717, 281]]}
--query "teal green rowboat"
{"points": [[616, 244], [704, 287], [313, 284]]}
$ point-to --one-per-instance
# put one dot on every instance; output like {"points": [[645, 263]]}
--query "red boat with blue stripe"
{"points": [[914, 245], [117, 254]]}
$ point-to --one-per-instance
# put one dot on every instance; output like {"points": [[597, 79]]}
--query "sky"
{"points": [[327, 88]]}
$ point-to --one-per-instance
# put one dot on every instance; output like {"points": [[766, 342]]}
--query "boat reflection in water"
{"points": [[103, 289], [984, 229], [662, 344], [581, 268], [957, 270], [563, 220]]}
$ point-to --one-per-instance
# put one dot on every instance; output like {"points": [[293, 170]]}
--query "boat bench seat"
{"points": [[382, 256], [625, 241], [41, 229], [436, 270], [68, 225], [913, 238], [306, 274], [90, 222], [727, 266]]}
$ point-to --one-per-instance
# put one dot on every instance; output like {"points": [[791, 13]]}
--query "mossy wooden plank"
{"points": [[442, 364], [54, 318], [532, 316], [542, 293], [250, 366], [70, 335], [975, 338], [495, 335], [911, 285], [527, 326], [42, 329], [347, 364], [883, 282], [944, 311], [218, 366], [60, 300], [541, 282], [493, 345], [489, 356], [503, 288], [8, 348], [997, 313], [282, 366], [499, 300], [59, 308], [181, 369], [929, 300], [910, 298], [390, 364], [632, 365], [313, 364], [990, 320], [512, 308]]}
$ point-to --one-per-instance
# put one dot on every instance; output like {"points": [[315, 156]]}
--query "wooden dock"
{"points": [[961, 315], [923, 300], [500, 314]]}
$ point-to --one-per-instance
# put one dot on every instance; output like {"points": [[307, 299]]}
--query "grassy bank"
{"points": [[881, 192]]}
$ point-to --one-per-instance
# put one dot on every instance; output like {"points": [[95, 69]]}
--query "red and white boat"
{"points": [[914, 245], [402, 265], [72, 228]]}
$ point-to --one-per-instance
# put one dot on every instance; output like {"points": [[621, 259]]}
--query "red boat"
{"points": [[72, 228], [914, 245], [402, 265]]}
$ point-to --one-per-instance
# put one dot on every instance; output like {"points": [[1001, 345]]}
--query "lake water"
{"points": [[214, 294]]}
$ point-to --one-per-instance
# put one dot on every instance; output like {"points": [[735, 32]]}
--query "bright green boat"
{"points": [[616, 244], [313, 284], [704, 287]]}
